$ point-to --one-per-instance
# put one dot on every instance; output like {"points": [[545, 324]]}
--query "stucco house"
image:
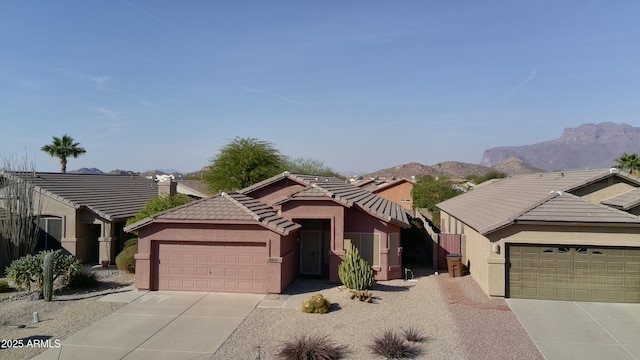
{"points": [[85, 213], [572, 235], [258, 240], [398, 191]]}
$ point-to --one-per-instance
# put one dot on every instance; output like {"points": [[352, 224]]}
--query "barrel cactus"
{"points": [[47, 277], [354, 271], [317, 304]]}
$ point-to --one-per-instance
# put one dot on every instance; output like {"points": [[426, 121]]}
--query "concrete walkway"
{"points": [[160, 325], [581, 330]]}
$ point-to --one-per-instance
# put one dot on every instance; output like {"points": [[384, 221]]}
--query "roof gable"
{"points": [[223, 208]]}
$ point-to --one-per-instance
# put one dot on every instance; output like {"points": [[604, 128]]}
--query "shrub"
{"points": [[392, 346], [125, 260], [317, 304], [27, 271], [4, 286], [354, 271], [82, 278], [131, 242], [412, 334], [312, 348]]}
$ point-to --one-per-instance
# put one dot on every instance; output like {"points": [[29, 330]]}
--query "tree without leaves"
{"points": [[62, 148], [21, 208], [243, 162]]}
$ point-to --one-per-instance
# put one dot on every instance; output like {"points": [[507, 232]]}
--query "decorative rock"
{"points": [[36, 295]]}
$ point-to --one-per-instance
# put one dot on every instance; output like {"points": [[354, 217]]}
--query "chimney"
{"points": [[168, 187]]}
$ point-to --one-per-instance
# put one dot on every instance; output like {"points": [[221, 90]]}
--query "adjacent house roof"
{"points": [[625, 201], [538, 197], [110, 196], [388, 185], [195, 188], [231, 207], [342, 192]]}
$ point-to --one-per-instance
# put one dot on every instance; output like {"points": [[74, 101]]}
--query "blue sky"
{"points": [[360, 85]]}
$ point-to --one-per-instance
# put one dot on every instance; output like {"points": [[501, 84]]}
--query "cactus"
{"points": [[354, 271], [317, 304], [47, 278], [364, 296]]}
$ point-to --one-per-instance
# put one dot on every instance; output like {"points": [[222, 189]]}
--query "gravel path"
{"points": [[487, 327], [60, 318]]}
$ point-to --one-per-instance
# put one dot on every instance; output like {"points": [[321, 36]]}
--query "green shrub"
{"points": [[131, 242], [312, 348], [82, 278], [125, 260], [317, 304], [392, 346], [354, 271], [4, 286], [27, 272]]}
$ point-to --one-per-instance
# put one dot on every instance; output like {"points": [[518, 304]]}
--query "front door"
{"points": [[310, 252]]}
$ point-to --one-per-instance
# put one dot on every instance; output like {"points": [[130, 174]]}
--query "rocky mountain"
{"points": [[592, 146], [93, 171], [515, 166]]}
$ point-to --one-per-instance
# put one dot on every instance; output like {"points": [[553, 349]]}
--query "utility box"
{"points": [[454, 265]]}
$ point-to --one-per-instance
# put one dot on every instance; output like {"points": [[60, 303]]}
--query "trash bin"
{"points": [[454, 264]]}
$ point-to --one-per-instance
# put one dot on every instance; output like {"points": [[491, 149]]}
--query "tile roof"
{"points": [[625, 201], [110, 196], [193, 187], [565, 207], [388, 185], [348, 195], [491, 207], [224, 207]]}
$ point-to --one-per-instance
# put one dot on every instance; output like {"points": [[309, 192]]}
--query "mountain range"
{"points": [[592, 146], [586, 146]]}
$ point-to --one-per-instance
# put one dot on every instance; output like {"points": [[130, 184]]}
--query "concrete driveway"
{"points": [[160, 325], [581, 330]]}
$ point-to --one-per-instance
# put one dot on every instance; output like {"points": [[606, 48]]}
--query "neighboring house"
{"points": [[572, 235], [398, 191], [260, 239], [193, 188], [85, 213]]}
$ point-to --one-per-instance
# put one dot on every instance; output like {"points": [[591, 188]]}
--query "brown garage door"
{"points": [[224, 267], [579, 273]]}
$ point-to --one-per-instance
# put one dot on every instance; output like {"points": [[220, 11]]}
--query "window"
{"points": [[394, 244], [368, 245]]}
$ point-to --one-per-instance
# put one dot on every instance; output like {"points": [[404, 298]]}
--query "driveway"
{"points": [[581, 330], [160, 325]]}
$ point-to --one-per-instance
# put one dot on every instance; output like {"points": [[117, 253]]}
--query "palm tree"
{"points": [[629, 162], [62, 148]]}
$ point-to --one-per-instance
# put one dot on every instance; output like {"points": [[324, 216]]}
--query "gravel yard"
{"points": [[66, 314], [464, 325]]}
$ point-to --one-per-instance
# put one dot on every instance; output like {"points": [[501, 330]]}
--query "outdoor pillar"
{"points": [[107, 249]]}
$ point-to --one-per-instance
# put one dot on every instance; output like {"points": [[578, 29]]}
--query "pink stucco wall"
{"points": [[280, 250]]}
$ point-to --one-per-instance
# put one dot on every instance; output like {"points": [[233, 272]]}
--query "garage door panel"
{"points": [[574, 273], [211, 267]]}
